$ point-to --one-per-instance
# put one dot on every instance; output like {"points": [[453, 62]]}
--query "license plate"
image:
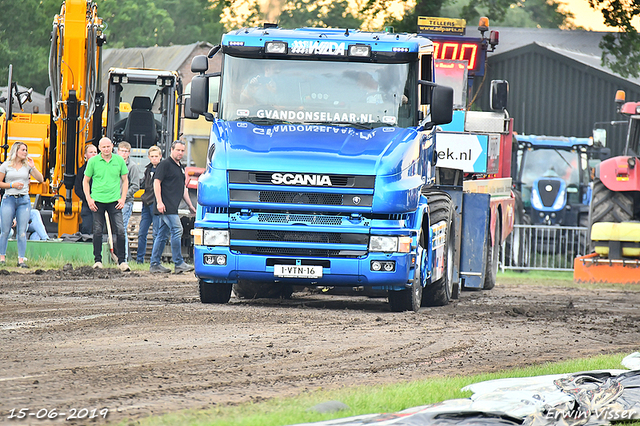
{"points": [[297, 271]]}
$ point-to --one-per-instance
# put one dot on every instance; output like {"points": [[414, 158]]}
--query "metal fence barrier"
{"points": [[540, 247]]}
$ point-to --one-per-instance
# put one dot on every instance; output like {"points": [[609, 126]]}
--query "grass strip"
{"points": [[365, 399]]}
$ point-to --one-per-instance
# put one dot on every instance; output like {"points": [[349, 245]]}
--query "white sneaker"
{"points": [[97, 265], [124, 267]]}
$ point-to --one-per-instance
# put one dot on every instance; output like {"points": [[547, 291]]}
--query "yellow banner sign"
{"points": [[441, 25]]}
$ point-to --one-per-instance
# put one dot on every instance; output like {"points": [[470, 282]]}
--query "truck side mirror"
{"points": [[199, 64], [187, 110], [441, 105], [199, 94], [499, 95]]}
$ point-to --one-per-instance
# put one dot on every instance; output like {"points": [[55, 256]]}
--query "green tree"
{"points": [[138, 23], [25, 29], [317, 13], [530, 13], [195, 20], [621, 51]]}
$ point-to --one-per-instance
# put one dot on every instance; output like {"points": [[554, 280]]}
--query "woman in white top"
{"points": [[14, 179]]}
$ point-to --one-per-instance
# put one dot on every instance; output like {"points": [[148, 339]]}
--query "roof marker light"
{"points": [[362, 50], [279, 47]]}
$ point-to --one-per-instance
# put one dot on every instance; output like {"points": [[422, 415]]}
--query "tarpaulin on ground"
{"points": [[586, 398]]}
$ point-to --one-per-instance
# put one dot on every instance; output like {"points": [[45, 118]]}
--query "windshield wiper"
{"points": [[263, 121], [564, 159], [363, 126]]}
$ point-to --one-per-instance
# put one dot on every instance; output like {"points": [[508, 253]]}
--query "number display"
{"points": [[456, 50]]}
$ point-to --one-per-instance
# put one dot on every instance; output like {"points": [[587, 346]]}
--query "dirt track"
{"points": [[140, 344]]}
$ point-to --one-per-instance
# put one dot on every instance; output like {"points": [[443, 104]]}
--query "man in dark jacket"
{"points": [[148, 203], [86, 227]]}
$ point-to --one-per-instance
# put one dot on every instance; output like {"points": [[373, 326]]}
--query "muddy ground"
{"points": [[141, 344]]}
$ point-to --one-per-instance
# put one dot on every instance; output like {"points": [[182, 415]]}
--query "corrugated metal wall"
{"points": [[550, 94]]}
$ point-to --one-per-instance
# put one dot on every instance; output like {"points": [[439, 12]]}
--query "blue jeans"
{"points": [[168, 223], [126, 215], [18, 208], [115, 217], [36, 226], [146, 218], [86, 227]]}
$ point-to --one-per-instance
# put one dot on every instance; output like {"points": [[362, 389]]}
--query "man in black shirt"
{"points": [[170, 188]]}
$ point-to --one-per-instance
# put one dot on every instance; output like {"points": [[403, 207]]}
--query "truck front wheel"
{"points": [[410, 299], [214, 292], [439, 293]]}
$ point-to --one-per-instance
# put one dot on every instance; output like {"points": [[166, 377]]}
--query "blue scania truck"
{"points": [[321, 168]]}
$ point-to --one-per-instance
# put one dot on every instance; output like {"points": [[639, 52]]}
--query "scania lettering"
{"points": [[321, 168], [290, 179]]}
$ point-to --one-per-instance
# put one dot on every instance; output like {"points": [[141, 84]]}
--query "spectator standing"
{"points": [[15, 176], [147, 216], [86, 227], [134, 176], [107, 194], [169, 186]]}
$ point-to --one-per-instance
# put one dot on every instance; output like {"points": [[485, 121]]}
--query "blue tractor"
{"points": [[551, 178]]}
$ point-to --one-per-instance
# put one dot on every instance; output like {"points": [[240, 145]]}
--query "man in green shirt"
{"points": [[107, 193]]}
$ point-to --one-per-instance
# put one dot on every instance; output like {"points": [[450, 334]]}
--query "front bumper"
{"points": [[337, 272]]}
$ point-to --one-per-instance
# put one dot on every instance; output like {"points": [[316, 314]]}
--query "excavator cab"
{"points": [[142, 109]]}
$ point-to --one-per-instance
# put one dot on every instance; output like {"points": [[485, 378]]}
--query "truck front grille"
{"points": [[274, 251], [309, 219], [304, 198], [299, 237]]}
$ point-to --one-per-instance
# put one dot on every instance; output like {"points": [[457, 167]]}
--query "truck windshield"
{"points": [[269, 91]]}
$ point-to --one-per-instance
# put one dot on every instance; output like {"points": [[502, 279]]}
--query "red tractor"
{"points": [[614, 215]]}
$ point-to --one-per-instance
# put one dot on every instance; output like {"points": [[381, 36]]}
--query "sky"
{"points": [[585, 16], [589, 18]]}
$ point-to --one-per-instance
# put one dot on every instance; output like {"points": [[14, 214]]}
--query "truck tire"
{"points": [[493, 257], [214, 292], [440, 292], [608, 206], [410, 299]]}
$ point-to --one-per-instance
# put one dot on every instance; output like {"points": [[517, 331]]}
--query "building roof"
{"points": [[586, 42], [169, 58], [578, 45], [157, 57]]}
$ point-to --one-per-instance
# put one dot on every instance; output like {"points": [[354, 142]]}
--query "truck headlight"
{"points": [[383, 244], [210, 237], [215, 237]]}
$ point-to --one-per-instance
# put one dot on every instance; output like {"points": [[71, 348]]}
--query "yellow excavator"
{"points": [[73, 109], [143, 108]]}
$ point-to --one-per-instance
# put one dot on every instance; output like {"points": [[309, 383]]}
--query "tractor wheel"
{"points": [[608, 206], [439, 293], [214, 292]]}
